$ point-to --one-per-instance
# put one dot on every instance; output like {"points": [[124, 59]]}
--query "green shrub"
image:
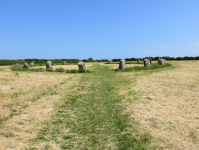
{"points": [[49, 69], [74, 71], [78, 71], [18, 68], [37, 69], [15, 68], [59, 69], [82, 70]]}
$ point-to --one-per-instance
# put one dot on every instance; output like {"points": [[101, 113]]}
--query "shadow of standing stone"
{"points": [[122, 64], [81, 65], [147, 63], [25, 66], [49, 65]]}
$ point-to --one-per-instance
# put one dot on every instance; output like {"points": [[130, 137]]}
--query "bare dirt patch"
{"points": [[168, 106]]}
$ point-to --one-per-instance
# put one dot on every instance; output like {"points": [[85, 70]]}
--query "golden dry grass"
{"points": [[17, 93], [168, 106]]}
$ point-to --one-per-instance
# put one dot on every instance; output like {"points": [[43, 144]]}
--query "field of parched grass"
{"points": [[104, 109]]}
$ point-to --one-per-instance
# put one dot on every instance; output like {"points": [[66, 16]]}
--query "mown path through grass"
{"points": [[92, 117]]}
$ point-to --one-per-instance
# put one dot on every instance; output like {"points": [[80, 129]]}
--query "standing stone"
{"points": [[161, 62], [147, 63], [25, 66], [64, 62], [32, 64], [109, 61], [138, 61], [122, 64], [80, 60], [18, 65], [81, 65], [49, 65]]}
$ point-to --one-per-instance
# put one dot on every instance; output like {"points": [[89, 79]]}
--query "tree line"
{"points": [[75, 61], [156, 58]]}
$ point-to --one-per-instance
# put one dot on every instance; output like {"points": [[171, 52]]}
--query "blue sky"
{"points": [[101, 29]]}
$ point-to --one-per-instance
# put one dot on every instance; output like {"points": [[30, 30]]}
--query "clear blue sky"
{"points": [[101, 29]]}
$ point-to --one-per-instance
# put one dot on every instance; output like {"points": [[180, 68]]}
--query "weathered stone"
{"points": [[49, 65], [122, 64], [25, 66], [109, 61], [161, 62], [81, 65], [138, 61], [147, 63], [32, 64], [80, 60], [64, 62]]}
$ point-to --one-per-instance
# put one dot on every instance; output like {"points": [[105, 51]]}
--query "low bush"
{"points": [[59, 69], [15, 68], [138, 68], [18, 68], [78, 71], [49, 70]]}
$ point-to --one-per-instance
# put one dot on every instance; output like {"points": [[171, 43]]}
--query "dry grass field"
{"points": [[167, 105], [164, 103]]}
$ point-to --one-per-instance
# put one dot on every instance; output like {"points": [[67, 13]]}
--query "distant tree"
{"points": [[90, 59]]}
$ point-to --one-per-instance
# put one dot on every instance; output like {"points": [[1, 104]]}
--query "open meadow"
{"points": [[104, 109]]}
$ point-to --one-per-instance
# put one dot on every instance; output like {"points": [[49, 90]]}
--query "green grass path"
{"points": [[92, 117]]}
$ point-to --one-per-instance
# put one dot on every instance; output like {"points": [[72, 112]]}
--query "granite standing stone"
{"points": [[147, 63], [81, 65], [49, 65], [32, 64], [138, 61], [161, 62], [109, 61], [122, 64], [25, 66], [64, 62]]}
